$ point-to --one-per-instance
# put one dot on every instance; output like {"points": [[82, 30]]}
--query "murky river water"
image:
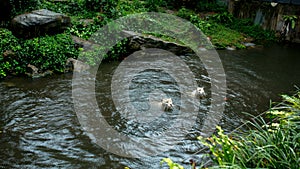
{"points": [[39, 127]]}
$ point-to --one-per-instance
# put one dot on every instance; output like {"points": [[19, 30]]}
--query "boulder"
{"points": [[248, 44], [139, 41], [76, 65], [8, 54], [230, 48], [35, 72], [84, 44], [39, 22]]}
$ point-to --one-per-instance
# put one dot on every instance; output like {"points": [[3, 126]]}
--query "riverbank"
{"points": [[272, 143], [49, 53]]}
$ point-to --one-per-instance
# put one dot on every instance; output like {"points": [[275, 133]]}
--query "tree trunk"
{"points": [[231, 6]]}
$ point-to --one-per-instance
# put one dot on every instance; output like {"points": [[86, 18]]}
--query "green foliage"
{"points": [[290, 19], [224, 18], [82, 8], [119, 51], [226, 30], [99, 53], [210, 6], [221, 36], [8, 44], [222, 147], [171, 164], [5, 66], [85, 30], [49, 52], [153, 5], [70, 7], [194, 19], [289, 113], [275, 145], [186, 13], [164, 37], [125, 7], [201, 24], [46, 53], [245, 26], [107, 7], [176, 4], [256, 32], [196, 5], [20, 6], [8, 40]]}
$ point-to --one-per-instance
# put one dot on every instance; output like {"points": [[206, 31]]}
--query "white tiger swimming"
{"points": [[199, 93], [167, 104]]}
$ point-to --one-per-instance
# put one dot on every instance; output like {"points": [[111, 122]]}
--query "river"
{"points": [[40, 129]]}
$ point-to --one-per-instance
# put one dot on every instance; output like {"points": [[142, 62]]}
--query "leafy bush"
{"points": [[85, 30], [83, 8], [130, 7], [49, 52], [190, 15], [8, 40], [20, 6], [46, 53], [8, 46], [72, 7], [186, 13], [201, 24], [153, 5], [224, 18], [107, 7]]}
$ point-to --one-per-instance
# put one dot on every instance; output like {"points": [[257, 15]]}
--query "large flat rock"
{"points": [[39, 22]]}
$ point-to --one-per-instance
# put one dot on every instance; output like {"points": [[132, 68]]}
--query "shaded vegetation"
{"points": [[47, 53], [88, 16]]}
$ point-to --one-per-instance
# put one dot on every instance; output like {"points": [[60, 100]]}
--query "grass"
{"points": [[273, 144], [265, 145], [222, 37]]}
